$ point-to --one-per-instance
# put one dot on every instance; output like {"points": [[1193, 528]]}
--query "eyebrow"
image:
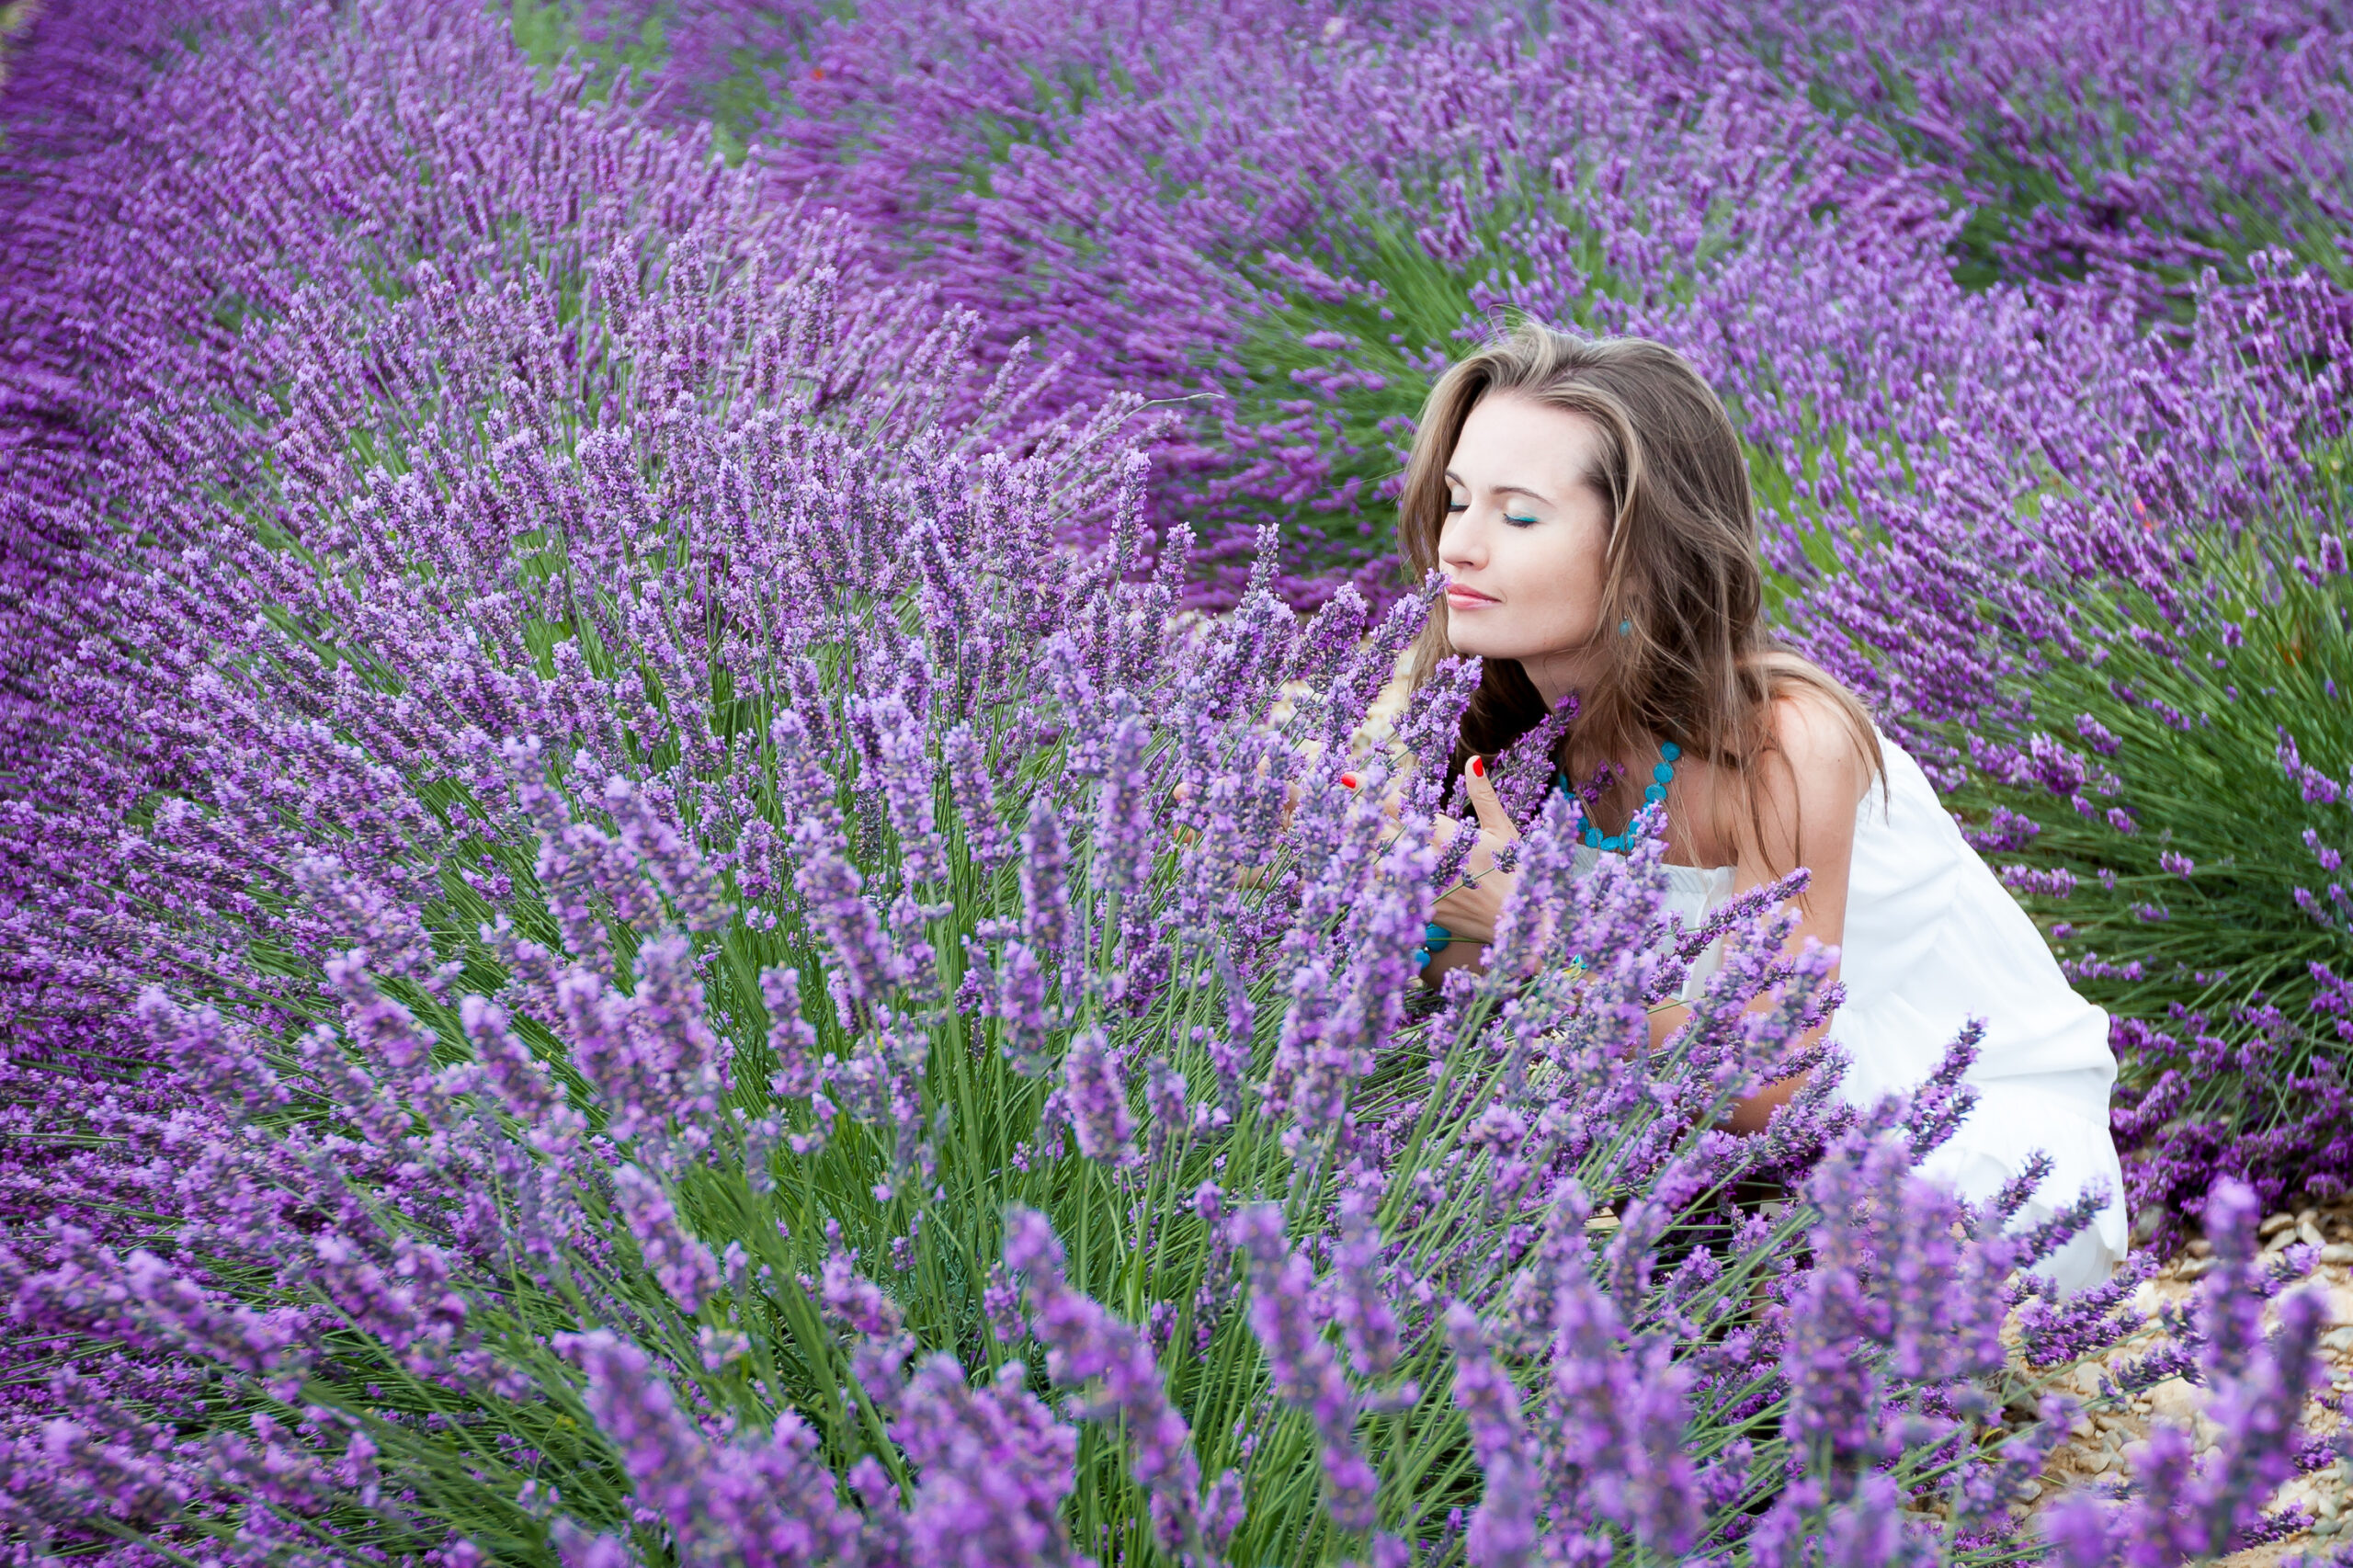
{"points": [[1536, 495]]}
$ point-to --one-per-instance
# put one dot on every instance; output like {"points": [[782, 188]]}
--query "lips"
{"points": [[1460, 597]]}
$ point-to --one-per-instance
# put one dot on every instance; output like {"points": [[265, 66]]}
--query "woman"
{"points": [[1587, 504]]}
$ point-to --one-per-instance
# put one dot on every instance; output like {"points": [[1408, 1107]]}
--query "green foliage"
{"points": [[2061, 153], [2189, 846], [732, 101], [1344, 369], [1354, 324], [550, 31]]}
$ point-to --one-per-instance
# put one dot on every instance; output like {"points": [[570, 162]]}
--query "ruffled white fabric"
{"points": [[1931, 941]]}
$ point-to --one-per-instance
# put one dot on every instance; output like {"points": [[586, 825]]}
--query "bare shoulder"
{"points": [[1821, 754]]}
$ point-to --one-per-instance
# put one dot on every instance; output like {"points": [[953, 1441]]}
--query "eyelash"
{"points": [[1454, 507]]}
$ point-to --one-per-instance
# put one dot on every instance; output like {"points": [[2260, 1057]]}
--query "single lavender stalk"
{"points": [[1306, 1375], [1504, 1531], [684, 1266], [1085, 1345], [1361, 1306], [1045, 897], [1099, 1100]]}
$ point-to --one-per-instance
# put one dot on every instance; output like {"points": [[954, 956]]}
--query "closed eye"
{"points": [[1521, 522]]}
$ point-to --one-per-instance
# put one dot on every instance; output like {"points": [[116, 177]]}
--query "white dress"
{"points": [[1933, 940]]}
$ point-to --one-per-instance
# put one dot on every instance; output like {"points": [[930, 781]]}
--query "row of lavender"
{"points": [[504, 613], [1177, 206], [2029, 316]]}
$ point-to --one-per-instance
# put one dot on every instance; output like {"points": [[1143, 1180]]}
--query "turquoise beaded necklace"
{"points": [[1661, 776], [1435, 937]]}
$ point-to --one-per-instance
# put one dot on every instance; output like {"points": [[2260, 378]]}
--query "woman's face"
{"points": [[1524, 539]]}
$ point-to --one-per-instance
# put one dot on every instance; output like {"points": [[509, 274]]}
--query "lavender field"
{"points": [[673, 881]]}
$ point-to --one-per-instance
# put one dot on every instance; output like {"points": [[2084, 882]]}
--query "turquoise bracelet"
{"points": [[1433, 937]]}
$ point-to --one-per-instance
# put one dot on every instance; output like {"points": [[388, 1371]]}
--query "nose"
{"points": [[1460, 547]]}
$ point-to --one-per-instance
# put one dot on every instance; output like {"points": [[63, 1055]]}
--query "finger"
{"points": [[1459, 916], [1481, 790], [1392, 804]]}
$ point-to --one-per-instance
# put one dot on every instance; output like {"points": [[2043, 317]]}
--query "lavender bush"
{"points": [[563, 730], [1138, 196], [639, 930], [2146, 143], [697, 997], [2175, 808], [1174, 201]]}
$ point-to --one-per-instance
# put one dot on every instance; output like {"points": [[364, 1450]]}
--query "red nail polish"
{"points": [[1348, 780], [1478, 768]]}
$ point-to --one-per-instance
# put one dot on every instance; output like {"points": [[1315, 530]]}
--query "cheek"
{"points": [[1562, 587], [1555, 595]]}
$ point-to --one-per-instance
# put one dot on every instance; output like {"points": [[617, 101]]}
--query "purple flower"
{"points": [[1360, 1303], [1045, 894], [1086, 1346], [792, 1040], [900, 762], [1505, 1530], [1306, 1375], [765, 1500], [1616, 1414], [995, 1467], [1098, 1099], [683, 1264]]}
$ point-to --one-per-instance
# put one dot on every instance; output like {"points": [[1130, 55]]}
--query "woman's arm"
{"points": [[1807, 792]]}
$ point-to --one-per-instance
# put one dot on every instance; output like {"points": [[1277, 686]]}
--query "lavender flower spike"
{"points": [[1306, 1374]]}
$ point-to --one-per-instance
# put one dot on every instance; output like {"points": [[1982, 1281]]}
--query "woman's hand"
{"points": [[1470, 908], [1184, 791]]}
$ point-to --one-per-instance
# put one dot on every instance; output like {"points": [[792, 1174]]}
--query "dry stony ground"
{"points": [[2102, 1444]]}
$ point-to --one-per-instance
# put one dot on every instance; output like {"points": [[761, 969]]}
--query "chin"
{"points": [[1486, 647]]}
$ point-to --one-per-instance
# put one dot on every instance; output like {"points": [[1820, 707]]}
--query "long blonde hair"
{"points": [[1695, 664]]}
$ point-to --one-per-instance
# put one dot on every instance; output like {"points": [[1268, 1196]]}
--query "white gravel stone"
{"points": [[2176, 1400]]}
